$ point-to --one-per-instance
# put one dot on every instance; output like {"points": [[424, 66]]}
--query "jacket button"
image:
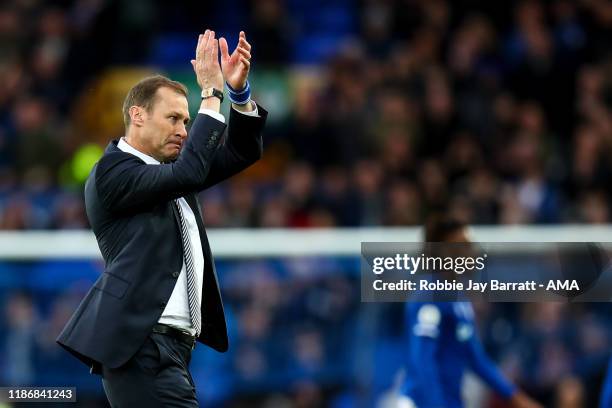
{"points": [[215, 133], [162, 305], [175, 274]]}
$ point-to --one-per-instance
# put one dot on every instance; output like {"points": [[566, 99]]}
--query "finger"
{"points": [[244, 43], [224, 48], [211, 43], [199, 46], [206, 41], [244, 53], [214, 52], [246, 62]]}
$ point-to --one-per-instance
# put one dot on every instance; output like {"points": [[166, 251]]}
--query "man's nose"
{"points": [[182, 131]]}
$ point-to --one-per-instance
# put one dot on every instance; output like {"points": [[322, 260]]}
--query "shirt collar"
{"points": [[126, 147]]}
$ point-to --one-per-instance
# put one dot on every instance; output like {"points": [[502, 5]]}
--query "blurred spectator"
{"points": [[19, 340], [503, 114]]}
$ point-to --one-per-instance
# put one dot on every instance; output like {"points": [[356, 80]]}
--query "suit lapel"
{"points": [[195, 207], [177, 218], [193, 204]]}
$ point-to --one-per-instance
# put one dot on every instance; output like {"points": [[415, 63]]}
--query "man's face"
{"points": [[164, 127]]}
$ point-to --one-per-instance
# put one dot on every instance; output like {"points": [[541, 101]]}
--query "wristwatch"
{"points": [[208, 92]]}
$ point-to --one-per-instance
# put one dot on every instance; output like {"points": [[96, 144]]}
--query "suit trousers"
{"points": [[156, 376]]}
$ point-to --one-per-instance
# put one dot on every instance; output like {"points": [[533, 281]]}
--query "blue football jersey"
{"points": [[442, 344]]}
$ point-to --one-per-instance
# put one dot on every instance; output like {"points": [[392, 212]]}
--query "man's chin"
{"points": [[174, 151]]}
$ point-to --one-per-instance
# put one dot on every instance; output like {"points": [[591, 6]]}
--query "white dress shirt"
{"points": [[176, 313]]}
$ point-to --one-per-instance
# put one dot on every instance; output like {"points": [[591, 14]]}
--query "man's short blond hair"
{"points": [[145, 91]]}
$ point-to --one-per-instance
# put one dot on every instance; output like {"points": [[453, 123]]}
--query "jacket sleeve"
{"points": [[242, 147], [123, 181]]}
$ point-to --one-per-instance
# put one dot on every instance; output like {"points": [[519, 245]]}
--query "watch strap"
{"points": [[210, 92]]}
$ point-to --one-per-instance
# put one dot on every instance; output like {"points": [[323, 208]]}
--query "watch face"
{"points": [[208, 92]]}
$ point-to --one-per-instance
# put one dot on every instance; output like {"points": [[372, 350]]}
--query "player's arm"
{"points": [[486, 369], [124, 181], [606, 394], [424, 340]]}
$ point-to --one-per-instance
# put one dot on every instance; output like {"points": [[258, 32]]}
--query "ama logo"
{"points": [[558, 285]]}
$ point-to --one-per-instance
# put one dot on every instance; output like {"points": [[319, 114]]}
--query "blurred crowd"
{"points": [[293, 332], [303, 339], [501, 113]]}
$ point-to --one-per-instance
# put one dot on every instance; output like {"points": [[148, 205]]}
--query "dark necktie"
{"points": [[192, 289]]}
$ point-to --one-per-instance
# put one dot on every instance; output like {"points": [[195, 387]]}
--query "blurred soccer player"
{"points": [[443, 344]]}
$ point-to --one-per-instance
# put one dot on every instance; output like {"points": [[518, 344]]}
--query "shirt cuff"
{"points": [[253, 113], [213, 114]]}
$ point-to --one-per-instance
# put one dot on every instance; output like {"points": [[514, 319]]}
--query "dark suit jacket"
{"points": [[129, 206]]}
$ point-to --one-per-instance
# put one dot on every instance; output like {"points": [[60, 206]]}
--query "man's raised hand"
{"points": [[236, 65], [206, 62]]}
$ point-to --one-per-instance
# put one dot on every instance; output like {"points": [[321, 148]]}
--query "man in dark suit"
{"points": [[159, 293]]}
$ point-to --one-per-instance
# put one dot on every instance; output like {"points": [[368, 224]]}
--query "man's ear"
{"points": [[137, 115]]}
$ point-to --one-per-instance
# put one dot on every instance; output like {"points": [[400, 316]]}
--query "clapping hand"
{"points": [[235, 66], [206, 62]]}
